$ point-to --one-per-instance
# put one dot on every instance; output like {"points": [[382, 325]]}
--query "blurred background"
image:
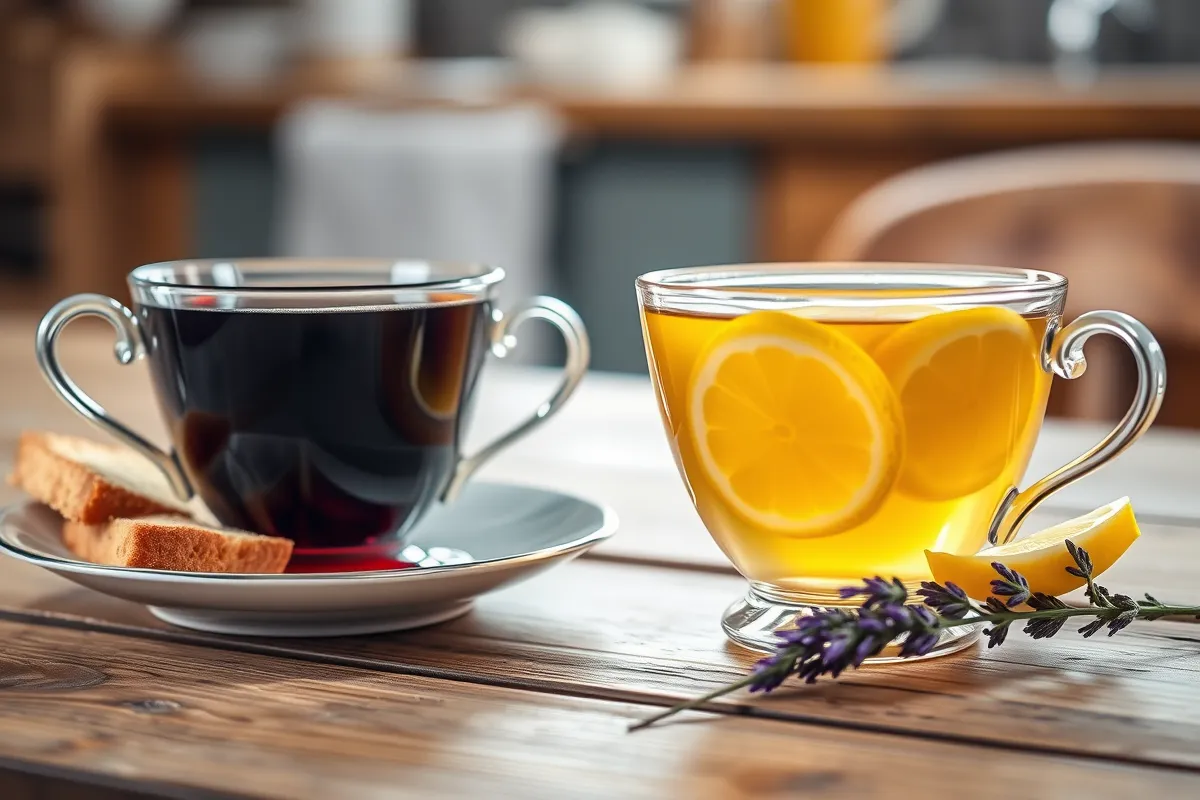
{"points": [[579, 144]]}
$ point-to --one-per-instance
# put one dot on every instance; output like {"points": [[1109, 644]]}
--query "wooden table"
{"points": [[122, 178], [530, 694]]}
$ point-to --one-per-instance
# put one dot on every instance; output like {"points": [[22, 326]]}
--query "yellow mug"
{"points": [[855, 31]]}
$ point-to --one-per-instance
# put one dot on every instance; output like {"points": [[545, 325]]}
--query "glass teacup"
{"points": [[834, 421], [323, 400]]}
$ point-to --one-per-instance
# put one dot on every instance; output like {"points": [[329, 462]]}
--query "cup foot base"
{"points": [[753, 621]]}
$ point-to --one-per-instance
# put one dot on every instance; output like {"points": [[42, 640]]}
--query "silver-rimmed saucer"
{"points": [[511, 533]]}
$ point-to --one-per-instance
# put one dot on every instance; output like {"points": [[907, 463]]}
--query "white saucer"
{"points": [[511, 532]]}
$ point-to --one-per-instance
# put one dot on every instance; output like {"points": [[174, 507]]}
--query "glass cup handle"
{"points": [[130, 346], [568, 323], [1067, 361]]}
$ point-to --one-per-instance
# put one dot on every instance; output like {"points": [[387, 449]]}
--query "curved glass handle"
{"points": [[130, 346], [1067, 361], [568, 323]]}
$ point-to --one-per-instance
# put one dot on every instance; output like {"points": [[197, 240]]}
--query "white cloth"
{"points": [[443, 184]]}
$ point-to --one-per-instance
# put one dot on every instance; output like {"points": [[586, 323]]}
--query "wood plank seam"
{"points": [[659, 563], [565, 689], [89, 782], [765, 712], [716, 569]]}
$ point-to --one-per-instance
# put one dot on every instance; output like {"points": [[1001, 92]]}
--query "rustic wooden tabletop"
{"points": [[530, 695]]}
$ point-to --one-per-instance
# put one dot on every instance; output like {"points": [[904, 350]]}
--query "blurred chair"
{"points": [[1121, 221]]}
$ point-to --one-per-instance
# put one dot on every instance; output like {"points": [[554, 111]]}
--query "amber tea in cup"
{"points": [[834, 422]]}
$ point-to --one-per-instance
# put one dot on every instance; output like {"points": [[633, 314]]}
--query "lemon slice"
{"points": [[1042, 558], [795, 426], [966, 381]]}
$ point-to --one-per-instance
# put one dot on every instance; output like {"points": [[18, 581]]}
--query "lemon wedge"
{"points": [[1042, 558], [794, 424], [966, 381]]}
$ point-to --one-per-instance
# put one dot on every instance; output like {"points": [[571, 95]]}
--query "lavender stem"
{"points": [[693, 703]]}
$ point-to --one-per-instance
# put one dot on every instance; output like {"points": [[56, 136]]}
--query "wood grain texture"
{"points": [[650, 635], [271, 727]]}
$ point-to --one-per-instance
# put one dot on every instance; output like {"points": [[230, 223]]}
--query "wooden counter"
{"points": [[122, 168], [764, 102]]}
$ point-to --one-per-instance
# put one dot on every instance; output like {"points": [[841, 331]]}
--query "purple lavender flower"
{"points": [[949, 601], [1011, 584], [918, 644], [1083, 561], [767, 675], [1044, 628], [835, 649], [831, 641], [1121, 622], [1039, 601], [924, 616], [867, 646], [996, 634], [879, 592]]}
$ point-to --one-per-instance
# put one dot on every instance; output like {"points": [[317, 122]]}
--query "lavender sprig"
{"points": [[830, 641]]}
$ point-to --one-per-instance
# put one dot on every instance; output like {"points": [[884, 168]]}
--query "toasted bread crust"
{"points": [[173, 543], [45, 469]]}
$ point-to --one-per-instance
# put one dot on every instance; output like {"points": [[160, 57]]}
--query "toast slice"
{"points": [[90, 482], [174, 543]]}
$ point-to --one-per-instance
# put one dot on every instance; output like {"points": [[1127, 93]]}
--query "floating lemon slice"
{"points": [[794, 424], [966, 383], [1042, 558]]}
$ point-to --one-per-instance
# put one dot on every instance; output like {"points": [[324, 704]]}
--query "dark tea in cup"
{"points": [[324, 402], [332, 429]]}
